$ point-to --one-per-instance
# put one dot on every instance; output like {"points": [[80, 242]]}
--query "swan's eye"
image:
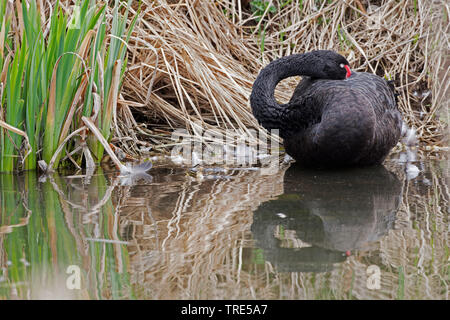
{"points": [[341, 65]]}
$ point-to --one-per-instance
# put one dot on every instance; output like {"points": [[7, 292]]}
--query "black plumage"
{"points": [[330, 120]]}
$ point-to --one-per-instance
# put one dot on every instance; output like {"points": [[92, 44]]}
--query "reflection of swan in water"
{"points": [[333, 211]]}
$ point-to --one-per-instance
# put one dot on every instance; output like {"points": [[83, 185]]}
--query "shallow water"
{"points": [[246, 233]]}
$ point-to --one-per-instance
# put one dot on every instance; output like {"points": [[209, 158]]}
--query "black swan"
{"points": [[335, 117]]}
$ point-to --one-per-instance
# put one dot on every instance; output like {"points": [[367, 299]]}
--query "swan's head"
{"points": [[334, 66]]}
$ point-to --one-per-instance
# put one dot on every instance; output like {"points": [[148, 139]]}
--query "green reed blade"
{"points": [[35, 87], [116, 51], [14, 114]]}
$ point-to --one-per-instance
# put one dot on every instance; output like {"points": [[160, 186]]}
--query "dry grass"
{"points": [[193, 62]]}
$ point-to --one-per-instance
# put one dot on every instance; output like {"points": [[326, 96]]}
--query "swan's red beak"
{"points": [[349, 73]]}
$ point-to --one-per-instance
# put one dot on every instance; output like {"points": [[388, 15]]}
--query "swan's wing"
{"points": [[306, 105], [301, 89]]}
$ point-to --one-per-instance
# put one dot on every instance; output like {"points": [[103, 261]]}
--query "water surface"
{"points": [[243, 233]]}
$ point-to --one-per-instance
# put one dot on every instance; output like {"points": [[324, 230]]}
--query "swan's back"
{"points": [[347, 122]]}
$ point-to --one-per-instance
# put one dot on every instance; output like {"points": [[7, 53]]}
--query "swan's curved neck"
{"points": [[262, 100]]}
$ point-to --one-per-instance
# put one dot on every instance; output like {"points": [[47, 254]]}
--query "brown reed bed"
{"points": [[193, 62]]}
